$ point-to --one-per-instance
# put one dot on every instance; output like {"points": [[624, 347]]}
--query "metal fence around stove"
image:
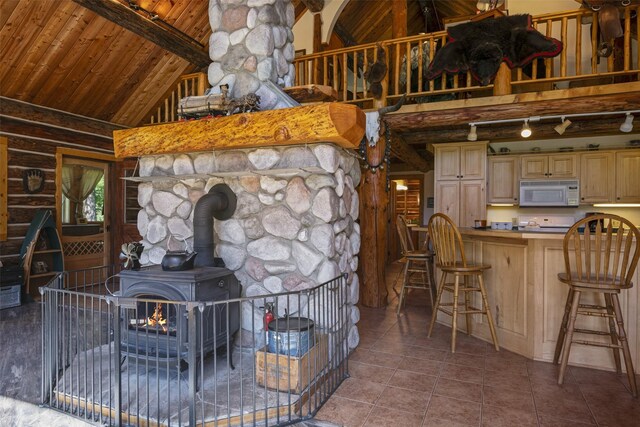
{"points": [[90, 371]]}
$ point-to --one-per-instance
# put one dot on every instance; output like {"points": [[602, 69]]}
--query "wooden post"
{"points": [[374, 203], [317, 46], [398, 19], [502, 82]]}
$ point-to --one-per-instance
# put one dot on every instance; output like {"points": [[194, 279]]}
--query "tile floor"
{"points": [[399, 377]]}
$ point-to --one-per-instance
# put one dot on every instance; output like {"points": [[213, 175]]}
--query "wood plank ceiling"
{"points": [[59, 54]]}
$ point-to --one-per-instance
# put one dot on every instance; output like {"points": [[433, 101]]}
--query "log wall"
{"points": [[33, 134]]}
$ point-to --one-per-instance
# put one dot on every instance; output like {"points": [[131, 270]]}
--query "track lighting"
{"points": [[627, 126], [473, 134], [562, 126], [526, 130]]}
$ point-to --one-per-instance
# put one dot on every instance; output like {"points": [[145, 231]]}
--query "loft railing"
{"points": [[577, 65], [189, 85]]}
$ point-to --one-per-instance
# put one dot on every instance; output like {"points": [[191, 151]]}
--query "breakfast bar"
{"points": [[527, 300]]}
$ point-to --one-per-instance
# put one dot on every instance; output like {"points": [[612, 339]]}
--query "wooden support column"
{"points": [[317, 46], [502, 82], [398, 18], [374, 204]]}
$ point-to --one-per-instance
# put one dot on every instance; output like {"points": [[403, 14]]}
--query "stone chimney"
{"points": [[252, 43]]}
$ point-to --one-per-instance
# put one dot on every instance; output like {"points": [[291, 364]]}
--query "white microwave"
{"points": [[549, 193]]}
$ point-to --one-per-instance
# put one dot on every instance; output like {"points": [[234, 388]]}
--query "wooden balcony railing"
{"points": [[577, 65], [189, 85]]}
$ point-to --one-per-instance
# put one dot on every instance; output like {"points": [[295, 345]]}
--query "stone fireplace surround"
{"points": [[294, 226]]}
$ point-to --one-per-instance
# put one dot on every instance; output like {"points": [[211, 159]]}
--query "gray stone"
{"points": [[252, 18], [264, 158], [354, 314], [347, 162], [339, 182], [179, 228], [282, 66], [308, 219], [255, 290], [145, 191], [253, 228], [247, 205], [245, 83], [268, 99], [149, 210], [355, 206], [353, 263], [270, 248], [233, 256], [325, 205], [259, 41], [340, 242], [296, 282], [323, 239], [143, 222], [354, 290], [353, 338], [215, 15], [307, 259], [356, 174], [291, 15], [232, 161], [211, 182], [234, 60], [156, 230], [268, 15], [218, 45], [266, 71], [230, 231], [252, 318], [297, 157], [279, 267], [165, 163], [347, 195], [195, 194], [228, 79], [280, 223], [234, 18], [273, 284], [303, 235], [289, 53], [256, 269], [266, 199], [342, 209], [316, 181], [328, 157], [355, 242], [215, 73], [156, 254], [181, 190], [165, 203], [272, 185], [203, 163], [251, 64], [328, 271], [183, 165], [259, 3], [279, 36], [297, 195], [238, 36], [147, 163]]}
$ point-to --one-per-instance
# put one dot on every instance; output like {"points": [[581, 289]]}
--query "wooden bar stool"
{"points": [[416, 273], [600, 255], [450, 259]]}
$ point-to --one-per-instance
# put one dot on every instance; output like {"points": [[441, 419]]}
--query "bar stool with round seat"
{"points": [[416, 273], [451, 261], [600, 254]]}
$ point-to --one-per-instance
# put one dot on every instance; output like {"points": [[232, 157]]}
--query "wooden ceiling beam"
{"points": [[406, 153], [177, 43]]}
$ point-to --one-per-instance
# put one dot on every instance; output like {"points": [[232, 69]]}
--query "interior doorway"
{"points": [[84, 203], [407, 194]]}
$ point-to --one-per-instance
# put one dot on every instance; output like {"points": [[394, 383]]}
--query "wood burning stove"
{"points": [[155, 326]]}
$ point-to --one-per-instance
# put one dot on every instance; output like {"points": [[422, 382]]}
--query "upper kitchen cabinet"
{"points": [[628, 176], [597, 177], [460, 161], [553, 166], [503, 179]]}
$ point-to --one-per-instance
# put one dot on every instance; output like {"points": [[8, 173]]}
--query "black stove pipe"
{"points": [[219, 203]]}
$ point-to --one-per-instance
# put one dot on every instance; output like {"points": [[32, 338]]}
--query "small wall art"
{"points": [[32, 180]]}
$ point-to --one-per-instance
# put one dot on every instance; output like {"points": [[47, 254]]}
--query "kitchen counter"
{"points": [[527, 300]]}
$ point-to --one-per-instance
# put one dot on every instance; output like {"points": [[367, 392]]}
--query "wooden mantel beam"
{"points": [[406, 153], [342, 124], [178, 44]]}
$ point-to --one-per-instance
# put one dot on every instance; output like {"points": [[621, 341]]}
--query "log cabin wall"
{"points": [[33, 134]]}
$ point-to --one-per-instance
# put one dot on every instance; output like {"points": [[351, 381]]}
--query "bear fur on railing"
{"points": [[480, 47]]}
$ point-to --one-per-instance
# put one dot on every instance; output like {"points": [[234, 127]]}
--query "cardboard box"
{"points": [[289, 373]]}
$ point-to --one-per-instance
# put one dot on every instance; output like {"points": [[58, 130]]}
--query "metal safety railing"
{"points": [[111, 359]]}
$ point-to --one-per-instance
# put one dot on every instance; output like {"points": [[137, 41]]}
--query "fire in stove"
{"points": [[155, 322]]}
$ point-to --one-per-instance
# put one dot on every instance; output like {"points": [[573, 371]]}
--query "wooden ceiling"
{"points": [[60, 54]]}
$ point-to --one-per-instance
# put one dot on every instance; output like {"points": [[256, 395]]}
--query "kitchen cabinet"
{"points": [[553, 166], [627, 176], [502, 174], [597, 177], [460, 187]]}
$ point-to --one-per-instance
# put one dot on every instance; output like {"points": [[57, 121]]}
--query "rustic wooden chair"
{"points": [[600, 259], [451, 261], [416, 273]]}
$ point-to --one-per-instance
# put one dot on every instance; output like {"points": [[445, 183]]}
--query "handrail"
{"points": [[344, 69]]}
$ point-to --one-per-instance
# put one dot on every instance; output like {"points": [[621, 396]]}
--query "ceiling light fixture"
{"points": [[473, 133], [526, 130], [562, 126], [627, 126]]}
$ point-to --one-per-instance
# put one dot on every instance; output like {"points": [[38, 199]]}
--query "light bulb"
{"points": [[627, 126], [526, 130], [473, 134]]}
